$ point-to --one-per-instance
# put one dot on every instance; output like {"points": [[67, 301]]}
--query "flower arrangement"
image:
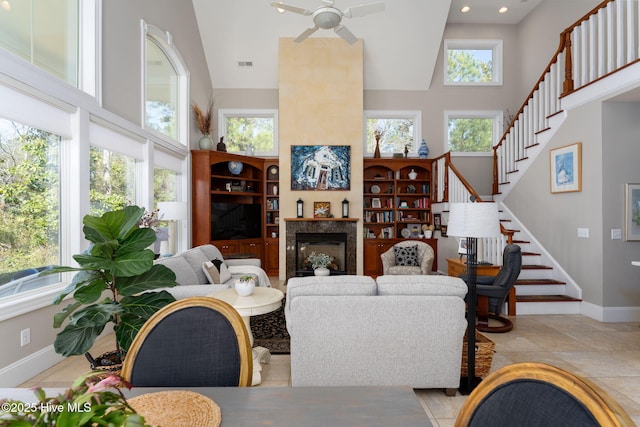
{"points": [[92, 400], [247, 278], [204, 119], [149, 219], [319, 260]]}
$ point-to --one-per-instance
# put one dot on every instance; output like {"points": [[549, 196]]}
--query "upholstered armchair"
{"points": [[408, 257]]}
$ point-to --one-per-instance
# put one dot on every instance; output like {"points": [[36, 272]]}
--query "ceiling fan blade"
{"points": [[293, 9], [362, 10], [346, 35], [305, 34]]}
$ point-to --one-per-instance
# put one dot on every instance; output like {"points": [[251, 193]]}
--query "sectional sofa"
{"points": [[395, 330]]}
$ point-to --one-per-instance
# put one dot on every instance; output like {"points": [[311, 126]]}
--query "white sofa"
{"points": [[190, 276], [398, 330]]}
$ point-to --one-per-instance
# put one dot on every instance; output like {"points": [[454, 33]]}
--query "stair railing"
{"points": [[451, 187], [603, 41]]}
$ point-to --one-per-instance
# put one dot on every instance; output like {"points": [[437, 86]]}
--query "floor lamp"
{"points": [[472, 221], [172, 212]]}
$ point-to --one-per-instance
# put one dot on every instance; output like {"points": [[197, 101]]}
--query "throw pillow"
{"points": [[225, 274], [212, 272], [407, 256]]}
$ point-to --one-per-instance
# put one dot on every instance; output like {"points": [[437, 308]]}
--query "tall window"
{"points": [[29, 206], [112, 181], [165, 85], [164, 185], [473, 62], [250, 130], [398, 131], [472, 132]]}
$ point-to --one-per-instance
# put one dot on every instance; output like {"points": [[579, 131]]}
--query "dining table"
{"points": [[350, 406]]}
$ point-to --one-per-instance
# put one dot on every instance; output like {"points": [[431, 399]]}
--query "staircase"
{"points": [[602, 43]]}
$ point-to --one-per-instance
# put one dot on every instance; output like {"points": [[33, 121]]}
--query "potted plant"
{"points": [[319, 263], [92, 400], [204, 121], [245, 285], [119, 263]]}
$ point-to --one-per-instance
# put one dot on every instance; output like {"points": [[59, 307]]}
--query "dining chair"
{"points": [[193, 342], [537, 394]]}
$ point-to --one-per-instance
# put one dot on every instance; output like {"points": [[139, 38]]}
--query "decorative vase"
{"points": [[275, 190], [423, 151], [249, 151], [376, 154], [321, 271], [245, 288], [205, 142], [413, 174], [221, 145]]}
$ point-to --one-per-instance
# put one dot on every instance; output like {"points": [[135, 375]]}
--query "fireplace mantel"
{"points": [[347, 226]]}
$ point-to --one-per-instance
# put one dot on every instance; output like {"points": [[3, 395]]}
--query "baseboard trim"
{"points": [[22, 370], [610, 314]]}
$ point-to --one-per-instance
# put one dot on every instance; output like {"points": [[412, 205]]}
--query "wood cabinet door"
{"points": [[271, 257]]}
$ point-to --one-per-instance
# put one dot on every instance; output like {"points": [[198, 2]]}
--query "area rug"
{"points": [[269, 331]]}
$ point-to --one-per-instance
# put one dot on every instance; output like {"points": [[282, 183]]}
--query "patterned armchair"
{"points": [[408, 257]]}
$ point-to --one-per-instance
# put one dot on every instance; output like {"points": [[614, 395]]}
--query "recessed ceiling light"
{"points": [[6, 5], [503, 9], [465, 9], [280, 9]]}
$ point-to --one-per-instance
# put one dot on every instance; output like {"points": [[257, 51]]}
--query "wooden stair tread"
{"points": [[546, 298], [535, 267], [530, 254], [539, 282]]}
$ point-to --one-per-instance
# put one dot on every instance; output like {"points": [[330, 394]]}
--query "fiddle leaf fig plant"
{"points": [[112, 282]]}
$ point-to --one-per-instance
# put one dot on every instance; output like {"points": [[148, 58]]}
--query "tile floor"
{"points": [[606, 353]]}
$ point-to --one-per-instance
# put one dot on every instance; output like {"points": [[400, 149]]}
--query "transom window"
{"points": [[472, 132], [398, 130], [473, 62], [249, 130]]}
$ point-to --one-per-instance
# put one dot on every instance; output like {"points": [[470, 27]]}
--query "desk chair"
{"points": [[536, 394], [193, 342]]}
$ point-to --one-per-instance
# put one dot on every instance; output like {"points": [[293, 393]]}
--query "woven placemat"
{"points": [[177, 408]]}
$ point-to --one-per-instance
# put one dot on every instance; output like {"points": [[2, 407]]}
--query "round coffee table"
{"points": [[263, 300]]}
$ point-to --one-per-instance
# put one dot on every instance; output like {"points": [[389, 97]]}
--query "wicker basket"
{"points": [[484, 355]]}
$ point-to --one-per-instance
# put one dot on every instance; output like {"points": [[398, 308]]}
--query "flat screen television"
{"points": [[235, 221]]}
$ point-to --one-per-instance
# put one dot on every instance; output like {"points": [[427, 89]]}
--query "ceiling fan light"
{"points": [[326, 18], [465, 9]]}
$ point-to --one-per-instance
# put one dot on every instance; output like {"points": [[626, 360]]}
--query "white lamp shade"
{"points": [[172, 211], [473, 220]]}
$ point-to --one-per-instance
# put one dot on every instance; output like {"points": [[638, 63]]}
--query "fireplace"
{"points": [[333, 236], [332, 244]]}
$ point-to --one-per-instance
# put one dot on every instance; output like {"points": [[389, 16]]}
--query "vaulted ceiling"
{"points": [[401, 44]]}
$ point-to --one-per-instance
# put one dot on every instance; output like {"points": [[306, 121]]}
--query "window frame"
{"points": [[164, 40], [416, 115], [225, 113], [495, 115], [495, 45]]}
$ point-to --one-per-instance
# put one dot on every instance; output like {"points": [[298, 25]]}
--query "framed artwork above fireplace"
{"points": [[320, 167]]}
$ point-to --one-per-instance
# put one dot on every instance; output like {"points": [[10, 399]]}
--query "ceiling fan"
{"points": [[329, 17]]}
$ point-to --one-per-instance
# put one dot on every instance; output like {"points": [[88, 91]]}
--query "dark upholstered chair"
{"points": [[535, 394], [193, 342], [492, 291]]}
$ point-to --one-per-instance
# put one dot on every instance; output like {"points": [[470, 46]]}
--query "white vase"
{"points": [[413, 174], [321, 271], [244, 289], [275, 190]]}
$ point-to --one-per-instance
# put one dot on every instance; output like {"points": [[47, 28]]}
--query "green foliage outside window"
{"points": [[29, 198], [112, 182], [244, 131], [396, 135], [469, 66], [470, 134]]}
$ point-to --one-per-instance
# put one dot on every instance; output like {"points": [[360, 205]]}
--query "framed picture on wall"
{"points": [[566, 168], [320, 167], [632, 212], [436, 221]]}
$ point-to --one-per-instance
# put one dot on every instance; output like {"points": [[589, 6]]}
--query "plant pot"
{"points": [[428, 234], [321, 271], [110, 361], [244, 289]]}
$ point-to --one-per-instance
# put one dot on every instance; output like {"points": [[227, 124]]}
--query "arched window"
{"points": [[165, 85]]}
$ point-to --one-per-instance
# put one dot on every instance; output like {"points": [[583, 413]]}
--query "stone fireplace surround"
{"points": [[320, 225]]}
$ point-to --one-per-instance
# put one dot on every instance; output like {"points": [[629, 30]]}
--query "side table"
{"points": [[263, 300]]}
